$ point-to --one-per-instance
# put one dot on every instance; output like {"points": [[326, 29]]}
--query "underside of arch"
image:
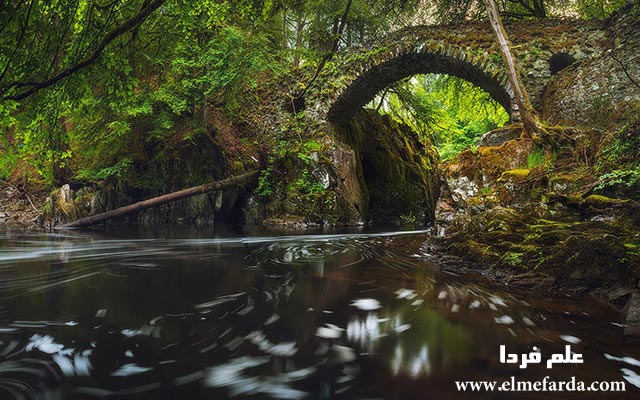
{"points": [[365, 87]]}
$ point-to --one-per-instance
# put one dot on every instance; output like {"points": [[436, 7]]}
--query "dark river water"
{"points": [[192, 315]]}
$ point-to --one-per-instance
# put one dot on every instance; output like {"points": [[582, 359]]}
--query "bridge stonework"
{"points": [[468, 51]]}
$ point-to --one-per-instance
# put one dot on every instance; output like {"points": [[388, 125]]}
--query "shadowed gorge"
{"points": [[397, 171]]}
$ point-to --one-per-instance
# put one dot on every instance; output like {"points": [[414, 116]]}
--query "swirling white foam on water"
{"points": [[366, 304]]}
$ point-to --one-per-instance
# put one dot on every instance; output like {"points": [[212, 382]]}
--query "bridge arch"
{"points": [[468, 51], [375, 78]]}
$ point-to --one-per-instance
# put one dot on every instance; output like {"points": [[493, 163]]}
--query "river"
{"points": [[155, 314]]}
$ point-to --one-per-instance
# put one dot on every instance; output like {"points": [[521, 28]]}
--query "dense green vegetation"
{"points": [[89, 125], [450, 111], [87, 87]]}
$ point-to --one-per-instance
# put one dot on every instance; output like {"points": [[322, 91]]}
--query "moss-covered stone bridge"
{"points": [[371, 166], [468, 51]]}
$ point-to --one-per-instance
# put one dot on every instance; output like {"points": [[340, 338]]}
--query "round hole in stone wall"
{"points": [[560, 61]]}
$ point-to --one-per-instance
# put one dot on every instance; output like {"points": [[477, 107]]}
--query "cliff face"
{"points": [[189, 157], [397, 171]]}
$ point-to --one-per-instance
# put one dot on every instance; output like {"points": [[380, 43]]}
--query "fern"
{"points": [[116, 170]]}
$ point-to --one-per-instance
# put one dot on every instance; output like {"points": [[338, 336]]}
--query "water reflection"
{"points": [[316, 316], [430, 340]]}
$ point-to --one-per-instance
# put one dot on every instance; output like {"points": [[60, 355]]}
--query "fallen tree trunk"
{"points": [[156, 201]]}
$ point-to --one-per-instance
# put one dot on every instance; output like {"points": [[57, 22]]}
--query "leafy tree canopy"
{"points": [[84, 84]]}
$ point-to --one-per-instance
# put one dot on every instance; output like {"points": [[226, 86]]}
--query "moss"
{"points": [[633, 250], [574, 253], [602, 201], [396, 171], [238, 167], [512, 155], [475, 250], [519, 174], [513, 259], [47, 208], [571, 181], [525, 248]]}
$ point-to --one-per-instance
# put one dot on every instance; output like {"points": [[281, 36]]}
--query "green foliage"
{"points": [[457, 11], [617, 163], [621, 149], [310, 26], [265, 187], [465, 137], [8, 159], [628, 178], [535, 158], [408, 219], [513, 259], [287, 157], [116, 170], [280, 151], [598, 9], [228, 66], [305, 150], [134, 93], [7, 110], [300, 150], [41, 39], [305, 184], [155, 80], [450, 111]]}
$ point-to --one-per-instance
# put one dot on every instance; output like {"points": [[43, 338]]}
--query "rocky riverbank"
{"points": [[19, 208], [535, 215], [560, 212]]}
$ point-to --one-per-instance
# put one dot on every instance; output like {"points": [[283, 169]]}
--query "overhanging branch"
{"points": [[128, 25]]}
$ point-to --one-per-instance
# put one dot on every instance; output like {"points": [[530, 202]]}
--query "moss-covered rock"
{"points": [[60, 206], [308, 182], [397, 171], [570, 181], [548, 221], [373, 169], [573, 254]]}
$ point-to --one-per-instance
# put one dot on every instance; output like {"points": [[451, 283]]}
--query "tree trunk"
{"points": [[300, 23], [541, 11], [530, 121], [156, 201], [338, 29], [285, 31]]}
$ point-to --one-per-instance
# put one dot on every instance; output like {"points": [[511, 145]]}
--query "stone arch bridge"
{"points": [[371, 166], [468, 51]]}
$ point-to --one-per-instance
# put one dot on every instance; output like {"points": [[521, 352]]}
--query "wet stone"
{"points": [[498, 137], [633, 309]]}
